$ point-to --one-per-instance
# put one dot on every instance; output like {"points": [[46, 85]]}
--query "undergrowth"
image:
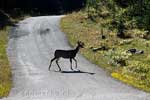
{"points": [[104, 48]]}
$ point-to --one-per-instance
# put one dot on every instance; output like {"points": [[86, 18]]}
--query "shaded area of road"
{"points": [[31, 46]]}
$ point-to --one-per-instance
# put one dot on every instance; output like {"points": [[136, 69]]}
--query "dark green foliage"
{"points": [[125, 3], [4, 19], [43, 6], [92, 7], [121, 28], [137, 11]]}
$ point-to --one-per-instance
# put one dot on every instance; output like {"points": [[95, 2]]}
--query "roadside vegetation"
{"points": [[5, 70], [117, 38], [6, 21]]}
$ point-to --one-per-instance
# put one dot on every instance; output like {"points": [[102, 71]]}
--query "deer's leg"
{"points": [[75, 61], [58, 64], [71, 63], [51, 62]]}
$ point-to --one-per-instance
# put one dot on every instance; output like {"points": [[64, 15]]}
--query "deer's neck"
{"points": [[77, 49]]}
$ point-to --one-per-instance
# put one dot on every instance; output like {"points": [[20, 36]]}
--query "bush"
{"points": [[117, 57], [134, 11]]}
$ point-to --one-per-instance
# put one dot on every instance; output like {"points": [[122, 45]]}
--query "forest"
{"points": [[49, 6]]}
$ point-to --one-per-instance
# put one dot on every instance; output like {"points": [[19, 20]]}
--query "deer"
{"points": [[67, 54]]}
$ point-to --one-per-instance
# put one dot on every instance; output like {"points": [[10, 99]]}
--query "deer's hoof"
{"points": [[78, 70], [49, 69], [60, 70]]}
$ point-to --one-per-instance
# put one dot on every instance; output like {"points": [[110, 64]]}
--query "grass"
{"points": [[5, 70], [132, 69]]}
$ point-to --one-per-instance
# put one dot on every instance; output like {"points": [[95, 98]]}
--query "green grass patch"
{"points": [[5, 70], [130, 68]]}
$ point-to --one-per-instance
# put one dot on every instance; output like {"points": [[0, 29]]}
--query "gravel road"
{"points": [[31, 46]]}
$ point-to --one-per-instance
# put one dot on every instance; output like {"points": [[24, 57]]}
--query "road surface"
{"points": [[31, 46]]}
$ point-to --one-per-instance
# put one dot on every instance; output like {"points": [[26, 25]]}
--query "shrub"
{"points": [[117, 57]]}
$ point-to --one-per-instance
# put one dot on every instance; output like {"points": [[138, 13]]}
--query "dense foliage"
{"points": [[135, 11]]}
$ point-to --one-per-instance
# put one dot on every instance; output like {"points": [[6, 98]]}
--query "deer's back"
{"points": [[65, 53]]}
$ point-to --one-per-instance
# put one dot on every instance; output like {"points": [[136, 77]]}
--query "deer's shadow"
{"points": [[75, 72]]}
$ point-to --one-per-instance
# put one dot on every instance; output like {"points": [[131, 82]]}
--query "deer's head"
{"points": [[80, 44]]}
